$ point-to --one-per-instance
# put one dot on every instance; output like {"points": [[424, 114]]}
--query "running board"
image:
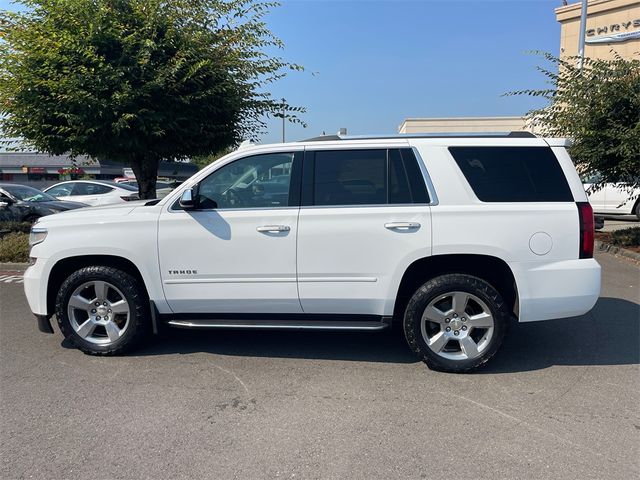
{"points": [[283, 324]]}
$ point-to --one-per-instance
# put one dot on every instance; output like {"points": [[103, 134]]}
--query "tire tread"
{"points": [[139, 315], [452, 281]]}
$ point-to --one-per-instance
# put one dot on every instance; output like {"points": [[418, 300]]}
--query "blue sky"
{"points": [[371, 64], [380, 62]]}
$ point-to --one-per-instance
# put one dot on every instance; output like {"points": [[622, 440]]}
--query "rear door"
{"points": [[365, 216], [90, 193], [616, 196]]}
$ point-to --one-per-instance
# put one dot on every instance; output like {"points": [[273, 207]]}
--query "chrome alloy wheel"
{"points": [[457, 326], [98, 312]]}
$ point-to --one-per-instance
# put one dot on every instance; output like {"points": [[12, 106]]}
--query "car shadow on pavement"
{"points": [[384, 346], [608, 335]]}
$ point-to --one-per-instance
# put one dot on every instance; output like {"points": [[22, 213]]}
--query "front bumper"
{"points": [[35, 287]]}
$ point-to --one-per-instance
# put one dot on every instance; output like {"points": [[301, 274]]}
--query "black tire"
{"points": [[440, 286], [636, 210], [135, 295], [32, 219]]}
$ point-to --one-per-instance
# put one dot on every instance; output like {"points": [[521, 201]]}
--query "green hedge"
{"points": [[628, 237], [21, 227], [14, 247]]}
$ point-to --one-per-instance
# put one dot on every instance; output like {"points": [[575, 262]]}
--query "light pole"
{"points": [[581, 35], [283, 113]]}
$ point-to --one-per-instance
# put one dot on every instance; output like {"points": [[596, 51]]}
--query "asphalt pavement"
{"points": [[560, 400]]}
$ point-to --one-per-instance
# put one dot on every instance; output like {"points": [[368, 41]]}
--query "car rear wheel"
{"points": [[455, 322], [102, 310]]}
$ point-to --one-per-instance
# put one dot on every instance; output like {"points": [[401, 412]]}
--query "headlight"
{"points": [[37, 235]]}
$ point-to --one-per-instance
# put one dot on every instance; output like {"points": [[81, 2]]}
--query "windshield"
{"points": [[28, 194]]}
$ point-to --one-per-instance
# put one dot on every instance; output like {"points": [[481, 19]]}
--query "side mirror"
{"points": [[188, 199]]}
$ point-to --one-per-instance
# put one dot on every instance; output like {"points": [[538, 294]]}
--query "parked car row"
{"points": [[22, 203], [94, 192]]}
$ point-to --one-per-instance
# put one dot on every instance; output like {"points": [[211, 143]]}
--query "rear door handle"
{"points": [[273, 228], [402, 225]]}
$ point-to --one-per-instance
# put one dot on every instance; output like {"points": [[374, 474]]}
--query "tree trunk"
{"points": [[146, 172]]}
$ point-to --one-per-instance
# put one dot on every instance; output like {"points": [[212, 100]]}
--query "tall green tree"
{"points": [[138, 81], [599, 108]]}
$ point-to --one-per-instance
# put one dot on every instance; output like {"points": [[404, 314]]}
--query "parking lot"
{"points": [[560, 400], [618, 222]]}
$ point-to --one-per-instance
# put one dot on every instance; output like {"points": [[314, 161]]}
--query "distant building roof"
{"points": [[19, 159], [11, 162]]}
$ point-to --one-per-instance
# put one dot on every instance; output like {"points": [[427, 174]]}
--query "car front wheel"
{"points": [[455, 322], [102, 310]]}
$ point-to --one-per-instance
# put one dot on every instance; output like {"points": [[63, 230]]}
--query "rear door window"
{"points": [[406, 183], [363, 177], [90, 189], [513, 174], [350, 177]]}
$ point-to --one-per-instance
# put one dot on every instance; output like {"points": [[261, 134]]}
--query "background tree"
{"points": [[202, 161], [599, 107], [138, 81]]}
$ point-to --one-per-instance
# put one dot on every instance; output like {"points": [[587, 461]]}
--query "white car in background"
{"points": [[93, 192], [613, 198], [162, 188]]}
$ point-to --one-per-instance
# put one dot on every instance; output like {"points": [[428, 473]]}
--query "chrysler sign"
{"points": [[614, 33]]}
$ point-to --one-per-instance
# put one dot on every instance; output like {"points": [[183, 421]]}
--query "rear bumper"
{"points": [[557, 289]]}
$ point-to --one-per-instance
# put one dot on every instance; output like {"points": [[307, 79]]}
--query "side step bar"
{"points": [[282, 324], [268, 321]]}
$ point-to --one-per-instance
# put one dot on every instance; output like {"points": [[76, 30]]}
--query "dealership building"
{"points": [[613, 28]]}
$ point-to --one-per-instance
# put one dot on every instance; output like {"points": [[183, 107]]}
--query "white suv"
{"points": [[448, 236]]}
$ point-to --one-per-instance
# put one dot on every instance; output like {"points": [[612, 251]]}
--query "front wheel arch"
{"points": [[65, 267]]}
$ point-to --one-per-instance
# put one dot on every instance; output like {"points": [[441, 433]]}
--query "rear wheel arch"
{"points": [[492, 269], [66, 266]]}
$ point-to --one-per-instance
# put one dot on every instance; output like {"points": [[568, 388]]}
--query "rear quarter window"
{"points": [[513, 174]]}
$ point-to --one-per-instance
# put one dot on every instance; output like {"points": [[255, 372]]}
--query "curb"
{"points": [[617, 251], [13, 267]]}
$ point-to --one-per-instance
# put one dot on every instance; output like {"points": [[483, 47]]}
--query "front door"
{"points": [[236, 253]]}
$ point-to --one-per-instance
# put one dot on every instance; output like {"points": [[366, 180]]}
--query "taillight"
{"points": [[585, 216]]}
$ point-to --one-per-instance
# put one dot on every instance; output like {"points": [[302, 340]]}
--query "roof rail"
{"points": [[514, 134]]}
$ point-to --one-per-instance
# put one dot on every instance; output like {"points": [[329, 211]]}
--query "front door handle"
{"points": [[402, 225], [273, 228]]}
